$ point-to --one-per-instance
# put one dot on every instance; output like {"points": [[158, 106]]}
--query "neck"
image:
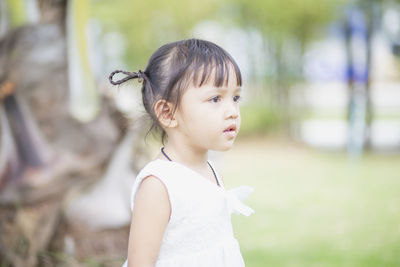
{"points": [[186, 154]]}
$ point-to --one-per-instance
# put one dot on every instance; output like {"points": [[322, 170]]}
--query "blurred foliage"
{"points": [[258, 119], [149, 24], [17, 9], [280, 20], [287, 27]]}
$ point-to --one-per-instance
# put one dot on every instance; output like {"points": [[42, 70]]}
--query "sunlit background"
{"points": [[319, 142]]}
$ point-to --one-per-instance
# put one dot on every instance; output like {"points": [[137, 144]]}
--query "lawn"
{"points": [[315, 208]]}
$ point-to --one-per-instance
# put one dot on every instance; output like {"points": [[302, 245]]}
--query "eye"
{"points": [[236, 98], [215, 99]]}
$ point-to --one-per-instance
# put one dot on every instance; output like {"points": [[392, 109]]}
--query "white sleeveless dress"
{"points": [[199, 232]]}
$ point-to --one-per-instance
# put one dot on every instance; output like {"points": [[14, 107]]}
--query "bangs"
{"points": [[203, 62], [217, 69]]}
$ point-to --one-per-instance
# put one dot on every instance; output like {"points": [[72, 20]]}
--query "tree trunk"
{"points": [[49, 161]]}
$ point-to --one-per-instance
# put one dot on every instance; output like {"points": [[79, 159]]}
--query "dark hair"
{"points": [[175, 66]]}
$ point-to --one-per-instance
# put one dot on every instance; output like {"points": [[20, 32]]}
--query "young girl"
{"points": [[181, 210]]}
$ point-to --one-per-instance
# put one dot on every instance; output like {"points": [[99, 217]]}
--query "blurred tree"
{"points": [[359, 24], [47, 156], [372, 17], [295, 22], [84, 96]]}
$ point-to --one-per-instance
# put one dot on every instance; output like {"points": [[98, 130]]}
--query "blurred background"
{"points": [[319, 142]]}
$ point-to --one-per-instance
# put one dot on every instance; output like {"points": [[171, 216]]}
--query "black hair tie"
{"points": [[141, 76], [129, 75]]}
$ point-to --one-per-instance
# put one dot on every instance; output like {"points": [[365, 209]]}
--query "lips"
{"points": [[230, 128]]}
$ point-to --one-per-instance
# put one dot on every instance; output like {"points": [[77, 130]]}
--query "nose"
{"points": [[232, 111]]}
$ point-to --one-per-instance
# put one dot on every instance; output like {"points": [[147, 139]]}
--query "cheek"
{"points": [[192, 117]]}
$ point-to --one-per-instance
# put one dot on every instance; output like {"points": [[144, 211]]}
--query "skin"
{"points": [[195, 127]]}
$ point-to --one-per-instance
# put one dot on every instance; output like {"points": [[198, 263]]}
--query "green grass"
{"points": [[314, 208]]}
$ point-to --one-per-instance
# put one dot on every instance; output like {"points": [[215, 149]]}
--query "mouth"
{"points": [[231, 128]]}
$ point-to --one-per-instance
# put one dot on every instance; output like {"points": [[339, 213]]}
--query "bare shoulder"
{"points": [[152, 182], [152, 191]]}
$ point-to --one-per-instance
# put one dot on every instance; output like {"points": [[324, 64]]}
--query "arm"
{"points": [[149, 219]]}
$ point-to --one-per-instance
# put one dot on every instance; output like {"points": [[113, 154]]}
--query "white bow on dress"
{"points": [[235, 196]]}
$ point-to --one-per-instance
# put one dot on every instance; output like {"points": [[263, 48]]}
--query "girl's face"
{"points": [[209, 117]]}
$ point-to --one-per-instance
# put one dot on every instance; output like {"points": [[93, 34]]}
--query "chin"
{"points": [[224, 148]]}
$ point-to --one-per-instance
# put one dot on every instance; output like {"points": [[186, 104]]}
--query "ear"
{"points": [[165, 113]]}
